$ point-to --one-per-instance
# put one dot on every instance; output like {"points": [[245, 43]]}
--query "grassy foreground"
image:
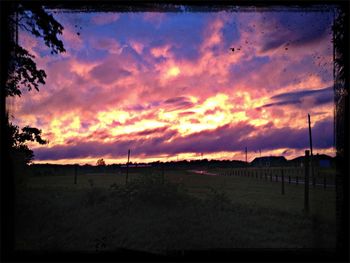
{"points": [[180, 211]]}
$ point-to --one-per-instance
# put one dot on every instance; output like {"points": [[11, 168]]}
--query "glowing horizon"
{"points": [[168, 87]]}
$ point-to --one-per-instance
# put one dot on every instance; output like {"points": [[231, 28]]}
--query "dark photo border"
{"points": [[341, 125]]}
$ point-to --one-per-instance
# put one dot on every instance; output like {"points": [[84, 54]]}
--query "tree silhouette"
{"points": [[341, 99], [100, 162], [22, 72], [18, 146]]}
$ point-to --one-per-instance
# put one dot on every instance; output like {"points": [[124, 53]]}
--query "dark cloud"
{"points": [[176, 100], [142, 106], [321, 96], [286, 137], [151, 131], [107, 73], [281, 103], [240, 70], [140, 117], [222, 138], [186, 113], [295, 29], [225, 138], [60, 100], [178, 103], [118, 148]]}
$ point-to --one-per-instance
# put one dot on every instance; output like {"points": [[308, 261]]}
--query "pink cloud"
{"points": [[150, 80]]}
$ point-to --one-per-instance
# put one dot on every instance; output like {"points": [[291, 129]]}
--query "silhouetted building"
{"points": [[320, 160], [269, 161]]}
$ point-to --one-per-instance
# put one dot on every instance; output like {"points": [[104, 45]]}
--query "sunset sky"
{"points": [[168, 87]]}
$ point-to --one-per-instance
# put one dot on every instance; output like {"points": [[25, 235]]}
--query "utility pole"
{"points": [[282, 181], [306, 182], [246, 151], [75, 173], [127, 168], [311, 157]]}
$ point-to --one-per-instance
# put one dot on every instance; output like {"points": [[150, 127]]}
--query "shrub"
{"points": [[218, 199], [150, 189], [94, 196]]}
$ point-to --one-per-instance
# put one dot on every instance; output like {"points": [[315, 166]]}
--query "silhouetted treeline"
{"points": [[323, 161], [57, 169]]}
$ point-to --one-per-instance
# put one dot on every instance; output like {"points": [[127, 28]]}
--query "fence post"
{"points": [[288, 179], [282, 190], [75, 173], [306, 181], [127, 168]]}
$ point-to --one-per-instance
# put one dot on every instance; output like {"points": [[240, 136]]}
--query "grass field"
{"points": [[181, 210]]}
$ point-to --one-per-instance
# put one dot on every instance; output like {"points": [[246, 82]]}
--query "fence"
{"points": [[291, 175]]}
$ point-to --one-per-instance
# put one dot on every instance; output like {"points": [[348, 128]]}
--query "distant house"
{"points": [[297, 162], [269, 161], [324, 161], [320, 160]]}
